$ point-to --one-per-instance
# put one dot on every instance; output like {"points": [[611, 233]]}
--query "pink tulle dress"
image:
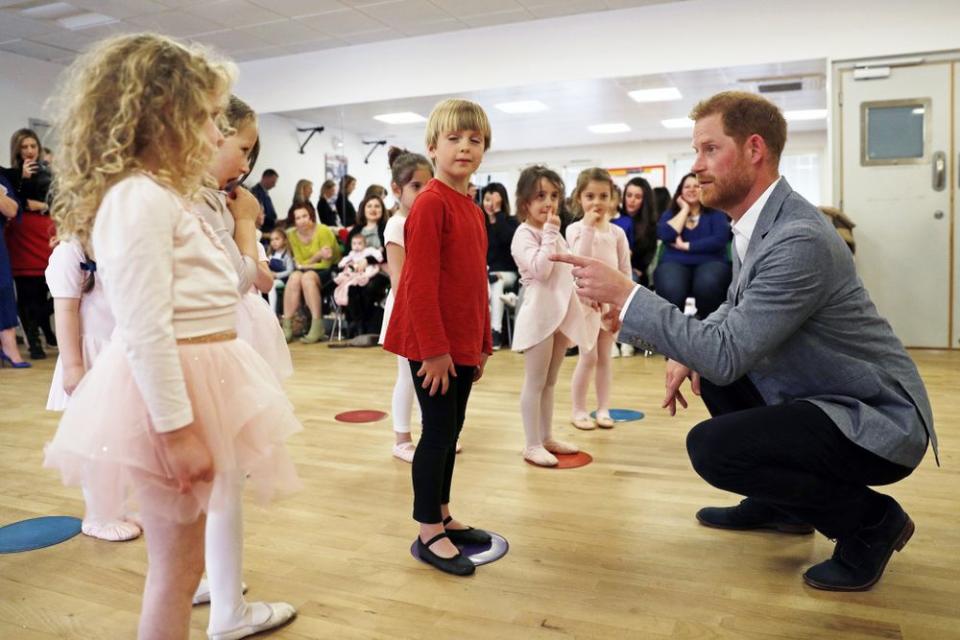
{"points": [[66, 276], [168, 281]]}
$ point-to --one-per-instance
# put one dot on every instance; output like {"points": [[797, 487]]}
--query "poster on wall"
{"points": [[336, 167], [655, 174]]}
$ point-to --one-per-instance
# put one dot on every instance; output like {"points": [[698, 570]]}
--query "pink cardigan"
{"points": [[550, 301]]}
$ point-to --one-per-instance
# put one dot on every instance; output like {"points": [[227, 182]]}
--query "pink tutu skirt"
{"points": [[91, 346], [258, 327], [240, 411]]}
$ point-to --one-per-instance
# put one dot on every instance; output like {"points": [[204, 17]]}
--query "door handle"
{"points": [[938, 215], [939, 171]]}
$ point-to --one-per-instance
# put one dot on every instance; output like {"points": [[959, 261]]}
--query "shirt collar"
{"points": [[745, 225]]}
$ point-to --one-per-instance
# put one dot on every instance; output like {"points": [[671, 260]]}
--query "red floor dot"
{"points": [[361, 415], [569, 460]]}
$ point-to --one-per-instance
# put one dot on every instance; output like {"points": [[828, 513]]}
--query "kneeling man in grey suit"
{"points": [[813, 397]]}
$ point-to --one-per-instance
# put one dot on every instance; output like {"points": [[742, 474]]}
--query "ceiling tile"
{"points": [[314, 45], [176, 23], [401, 13], [234, 13], [338, 23], [558, 8], [425, 28], [230, 41], [376, 35], [282, 32], [461, 8], [35, 50], [14, 25], [64, 39], [501, 17], [294, 8], [120, 9]]}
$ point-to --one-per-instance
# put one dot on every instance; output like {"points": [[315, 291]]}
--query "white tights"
{"points": [[403, 394], [224, 558], [541, 364], [597, 359]]}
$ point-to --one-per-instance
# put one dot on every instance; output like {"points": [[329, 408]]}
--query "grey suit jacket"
{"points": [[799, 323]]}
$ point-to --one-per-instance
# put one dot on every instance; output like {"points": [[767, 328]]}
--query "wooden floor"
{"points": [[611, 550]]}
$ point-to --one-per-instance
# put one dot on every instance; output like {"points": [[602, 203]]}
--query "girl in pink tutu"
{"points": [[594, 235], [175, 400], [233, 218], [84, 324], [551, 317], [410, 172]]}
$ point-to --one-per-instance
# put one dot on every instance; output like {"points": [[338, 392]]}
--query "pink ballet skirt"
{"points": [[242, 413], [90, 347], [258, 327]]}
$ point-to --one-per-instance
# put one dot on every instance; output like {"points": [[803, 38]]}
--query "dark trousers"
{"points": [[34, 306], [362, 302], [707, 283], [790, 457], [436, 452]]}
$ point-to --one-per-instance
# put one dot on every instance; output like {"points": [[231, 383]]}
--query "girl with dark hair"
{"points": [[695, 261], [502, 269], [363, 298], [640, 206]]}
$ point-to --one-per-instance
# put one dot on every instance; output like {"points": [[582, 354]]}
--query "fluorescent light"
{"points": [[806, 114], [677, 123], [656, 95], [85, 21], [919, 111], [404, 117], [522, 106], [609, 127]]}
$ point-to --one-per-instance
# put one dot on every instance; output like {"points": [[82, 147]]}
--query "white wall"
{"points": [[629, 42], [508, 164], [25, 84], [280, 143]]}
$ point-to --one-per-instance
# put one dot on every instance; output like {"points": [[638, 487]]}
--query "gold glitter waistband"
{"points": [[222, 336]]}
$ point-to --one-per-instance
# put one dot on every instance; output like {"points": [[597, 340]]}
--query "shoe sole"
{"points": [[792, 529], [902, 541]]}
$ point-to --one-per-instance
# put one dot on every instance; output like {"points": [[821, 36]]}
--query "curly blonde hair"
{"points": [[132, 97]]}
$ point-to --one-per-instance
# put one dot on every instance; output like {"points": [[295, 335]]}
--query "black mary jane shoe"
{"points": [[458, 565], [467, 536]]}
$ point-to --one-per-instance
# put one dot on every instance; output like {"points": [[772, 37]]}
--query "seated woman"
{"points": [[696, 260], [360, 286], [315, 250], [371, 222]]}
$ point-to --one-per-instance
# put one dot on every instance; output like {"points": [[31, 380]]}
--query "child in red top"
{"points": [[441, 321]]}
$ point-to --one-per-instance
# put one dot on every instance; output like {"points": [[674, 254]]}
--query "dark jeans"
{"points": [[791, 457], [707, 282], [436, 452], [35, 308]]}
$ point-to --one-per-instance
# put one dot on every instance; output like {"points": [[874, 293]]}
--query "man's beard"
{"points": [[725, 194]]}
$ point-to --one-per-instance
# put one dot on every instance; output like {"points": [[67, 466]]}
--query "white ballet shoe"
{"points": [[583, 422], [280, 614], [111, 530], [202, 594], [404, 451], [604, 421], [540, 456], [627, 350], [560, 447]]}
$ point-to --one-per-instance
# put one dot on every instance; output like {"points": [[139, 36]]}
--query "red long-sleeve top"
{"points": [[441, 304]]}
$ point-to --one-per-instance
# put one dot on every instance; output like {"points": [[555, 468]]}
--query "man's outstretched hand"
{"points": [[597, 281]]}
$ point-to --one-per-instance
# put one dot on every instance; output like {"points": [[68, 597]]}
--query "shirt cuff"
{"points": [[626, 305]]}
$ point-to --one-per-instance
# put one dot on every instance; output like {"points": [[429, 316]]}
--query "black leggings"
{"points": [[789, 456], [34, 306], [436, 452]]}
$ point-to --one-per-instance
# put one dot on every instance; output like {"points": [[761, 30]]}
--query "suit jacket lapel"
{"points": [[769, 215]]}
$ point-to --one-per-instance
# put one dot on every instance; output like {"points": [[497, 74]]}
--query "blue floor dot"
{"points": [[37, 533]]}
